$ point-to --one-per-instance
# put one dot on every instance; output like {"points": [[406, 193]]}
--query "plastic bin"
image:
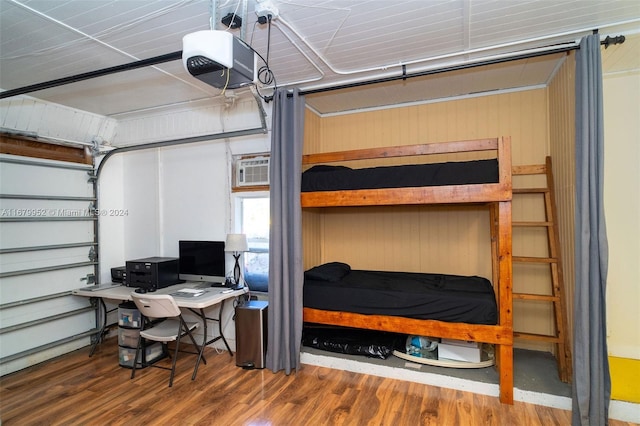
{"points": [[151, 354], [128, 337], [129, 315]]}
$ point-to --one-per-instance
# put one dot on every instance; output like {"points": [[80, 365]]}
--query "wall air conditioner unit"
{"points": [[252, 171], [219, 59]]}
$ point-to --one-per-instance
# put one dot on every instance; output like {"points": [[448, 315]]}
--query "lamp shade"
{"points": [[236, 243]]}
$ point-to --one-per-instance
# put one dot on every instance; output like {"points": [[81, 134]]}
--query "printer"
{"points": [[119, 275], [152, 273]]}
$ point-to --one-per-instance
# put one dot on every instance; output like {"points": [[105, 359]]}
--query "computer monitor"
{"points": [[202, 261]]}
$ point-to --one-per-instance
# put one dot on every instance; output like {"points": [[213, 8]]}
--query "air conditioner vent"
{"points": [[252, 171]]}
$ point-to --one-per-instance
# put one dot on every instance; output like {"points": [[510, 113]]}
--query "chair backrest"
{"points": [[156, 305]]}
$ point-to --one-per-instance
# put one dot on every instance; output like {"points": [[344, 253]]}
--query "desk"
{"points": [[197, 305]]}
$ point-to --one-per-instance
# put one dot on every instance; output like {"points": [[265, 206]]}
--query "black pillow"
{"points": [[333, 272]]}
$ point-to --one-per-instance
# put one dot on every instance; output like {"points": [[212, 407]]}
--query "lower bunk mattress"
{"points": [[452, 298]]}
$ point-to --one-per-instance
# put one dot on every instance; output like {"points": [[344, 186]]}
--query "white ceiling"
{"points": [[313, 44]]}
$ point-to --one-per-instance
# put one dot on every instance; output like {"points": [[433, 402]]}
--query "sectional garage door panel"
{"points": [[47, 248], [20, 261], [22, 288], [36, 234], [48, 207], [65, 179], [45, 333], [14, 317]]}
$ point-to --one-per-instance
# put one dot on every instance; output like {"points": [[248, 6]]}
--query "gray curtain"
{"points": [[591, 379], [285, 235]]}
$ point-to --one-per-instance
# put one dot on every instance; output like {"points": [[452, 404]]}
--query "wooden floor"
{"points": [[77, 390]]}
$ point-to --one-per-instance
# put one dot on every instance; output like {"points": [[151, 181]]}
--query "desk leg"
{"points": [[215, 339], [220, 329], [204, 343], [102, 311]]}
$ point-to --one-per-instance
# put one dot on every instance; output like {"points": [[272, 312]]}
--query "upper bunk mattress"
{"points": [[452, 298], [336, 178]]}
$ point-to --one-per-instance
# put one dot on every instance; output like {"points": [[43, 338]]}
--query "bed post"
{"points": [[505, 301]]}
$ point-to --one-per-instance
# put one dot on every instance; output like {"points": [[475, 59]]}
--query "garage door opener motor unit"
{"points": [[219, 59]]}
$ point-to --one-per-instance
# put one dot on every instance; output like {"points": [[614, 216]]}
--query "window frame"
{"points": [[237, 225]]}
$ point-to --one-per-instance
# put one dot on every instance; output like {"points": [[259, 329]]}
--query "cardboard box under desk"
{"points": [[459, 350]]}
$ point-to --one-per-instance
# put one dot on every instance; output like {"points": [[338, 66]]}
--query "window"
{"points": [[252, 219]]}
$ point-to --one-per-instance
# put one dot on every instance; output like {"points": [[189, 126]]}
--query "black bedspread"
{"points": [[440, 297], [334, 178]]}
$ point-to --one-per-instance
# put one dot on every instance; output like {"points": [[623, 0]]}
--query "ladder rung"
{"points": [[532, 224], [529, 190], [526, 259], [540, 297], [534, 169], [536, 337]]}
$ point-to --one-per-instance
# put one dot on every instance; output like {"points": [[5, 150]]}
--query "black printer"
{"points": [[119, 275], [152, 273]]}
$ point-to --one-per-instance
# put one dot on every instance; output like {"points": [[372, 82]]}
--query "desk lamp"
{"points": [[236, 244]]}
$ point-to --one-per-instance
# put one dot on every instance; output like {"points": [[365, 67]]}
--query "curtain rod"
{"points": [[606, 43], [168, 57]]}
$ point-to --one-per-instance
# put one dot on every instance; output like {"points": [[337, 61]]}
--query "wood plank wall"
{"points": [[435, 239], [312, 245], [562, 148]]}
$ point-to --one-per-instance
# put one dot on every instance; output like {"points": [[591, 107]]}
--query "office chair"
{"points": [[167, 325]]}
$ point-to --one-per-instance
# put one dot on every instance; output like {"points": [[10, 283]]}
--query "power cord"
{"points": [[265, 75], [226, 84]]}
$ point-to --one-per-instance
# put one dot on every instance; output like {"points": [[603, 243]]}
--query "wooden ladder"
{"points": [[557, 297]]}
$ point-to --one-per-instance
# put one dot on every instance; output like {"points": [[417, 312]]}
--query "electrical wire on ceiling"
{"points": [[320, 73], [265, 75]]}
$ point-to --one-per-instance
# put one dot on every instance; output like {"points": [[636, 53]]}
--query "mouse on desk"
{"points": [[140, 290]]}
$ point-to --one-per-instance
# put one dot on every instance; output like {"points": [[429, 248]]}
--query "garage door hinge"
{"points": [[90, 278], [92, 176], [93, 254]]}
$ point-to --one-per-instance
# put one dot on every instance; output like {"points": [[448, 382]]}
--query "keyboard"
{"points": [[189, 292]]}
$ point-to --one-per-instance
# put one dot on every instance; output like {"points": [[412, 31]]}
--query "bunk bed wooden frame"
{"points": [[496, 196]]}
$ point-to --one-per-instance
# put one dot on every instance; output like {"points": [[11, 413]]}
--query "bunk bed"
{"points": [[493, 190]]}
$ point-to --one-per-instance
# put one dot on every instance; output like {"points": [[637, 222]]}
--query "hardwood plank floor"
{"points": [[77, 390]]}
